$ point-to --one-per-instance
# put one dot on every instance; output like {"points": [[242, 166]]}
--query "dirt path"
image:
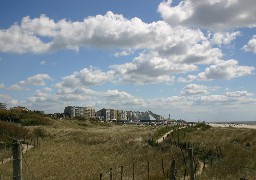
{"points": [[25, 148], [201, 164], [161, 139]]}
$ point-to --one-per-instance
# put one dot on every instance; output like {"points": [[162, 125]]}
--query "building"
{"points": [[121, 115], [76, 111], [89, 113], [104, 114], [19, 108], [69, 111], [113, 114], [3, 106]]}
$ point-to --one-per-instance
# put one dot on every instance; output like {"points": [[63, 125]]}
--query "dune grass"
{"points": [[74, 149], [237, 146], [83, 150]]}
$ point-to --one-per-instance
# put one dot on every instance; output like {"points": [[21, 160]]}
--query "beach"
{"points": [[235, 125]]}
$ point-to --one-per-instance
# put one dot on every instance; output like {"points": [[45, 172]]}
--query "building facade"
{"points": [[76, 111], [3, 106]]}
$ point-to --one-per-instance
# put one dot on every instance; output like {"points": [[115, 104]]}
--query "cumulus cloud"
{"points": [[109, 31], [238, 94], [251, 46], [148, 68], [16, 40], [36, 80], [194, 89], [8, 100], [48, 100], [224, 38], [86, 77], [122, 99], [123, 53], [212, 14], [223, 70]]}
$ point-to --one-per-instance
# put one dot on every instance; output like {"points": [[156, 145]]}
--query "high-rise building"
{"points": [[3, 106], [75, 111]]}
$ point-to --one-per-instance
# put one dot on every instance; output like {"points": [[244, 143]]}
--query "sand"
{"points": [[249, 126]]}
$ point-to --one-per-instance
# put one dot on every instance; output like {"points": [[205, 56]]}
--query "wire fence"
{"points": [[145, 169]]}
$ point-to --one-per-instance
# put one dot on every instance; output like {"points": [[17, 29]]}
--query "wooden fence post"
{"points": [[133, 171], [172, 170], [163, 166], [191, 163], [148, 169], [110, 174], [122, 171], [17, 160]]}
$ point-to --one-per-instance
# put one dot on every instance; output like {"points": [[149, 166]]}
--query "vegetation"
{"points": [[25, 118], [81, 149], [227, 153]]}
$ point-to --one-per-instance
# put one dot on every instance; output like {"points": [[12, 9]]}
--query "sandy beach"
{"points": [[249, 126]]}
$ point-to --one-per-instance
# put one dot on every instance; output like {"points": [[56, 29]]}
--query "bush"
{"points": [[24, 118], [9, 131]]}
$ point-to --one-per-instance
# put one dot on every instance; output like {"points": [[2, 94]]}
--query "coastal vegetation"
{"points": [[83, 149]]}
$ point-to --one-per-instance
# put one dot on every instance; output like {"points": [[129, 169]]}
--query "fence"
{"points": [[18, 163], [168, 167], [165, 173], [13, 155]]}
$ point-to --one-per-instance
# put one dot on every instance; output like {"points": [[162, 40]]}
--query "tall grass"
{"points": [[74, 151], [237, 146], [83, 150]]}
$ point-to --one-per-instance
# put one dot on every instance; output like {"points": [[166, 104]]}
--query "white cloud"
{"points": [[50, 101], [225, 70], [36, 80], [42, 63], [211, 14], [2, 85], [224, 38], [194, 89], [121, 100], [238, 94], [251, 46], [8, 100], [109, 31], [15, 40], [149, 68], [86, 77], [123, 53]]}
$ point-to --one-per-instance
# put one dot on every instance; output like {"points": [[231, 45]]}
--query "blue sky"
{"points": [[192, 60]]}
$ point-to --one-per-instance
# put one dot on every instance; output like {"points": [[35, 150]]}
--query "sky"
{"points": [[194, 60]]}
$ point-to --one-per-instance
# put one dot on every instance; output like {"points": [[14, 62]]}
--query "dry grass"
{"points": [[79, 150], [83, 150], [237, 145]]}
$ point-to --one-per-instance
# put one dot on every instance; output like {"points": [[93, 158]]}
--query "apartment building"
{"points": [[89, 113], [104, 114], [75, 111], [3, 106]]}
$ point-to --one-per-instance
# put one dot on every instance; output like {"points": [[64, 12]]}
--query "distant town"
{"points": [[102, 114]]}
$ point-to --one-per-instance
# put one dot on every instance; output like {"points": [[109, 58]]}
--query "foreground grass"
{"points": [[237, 146], [79, 150], [83, 150]]}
